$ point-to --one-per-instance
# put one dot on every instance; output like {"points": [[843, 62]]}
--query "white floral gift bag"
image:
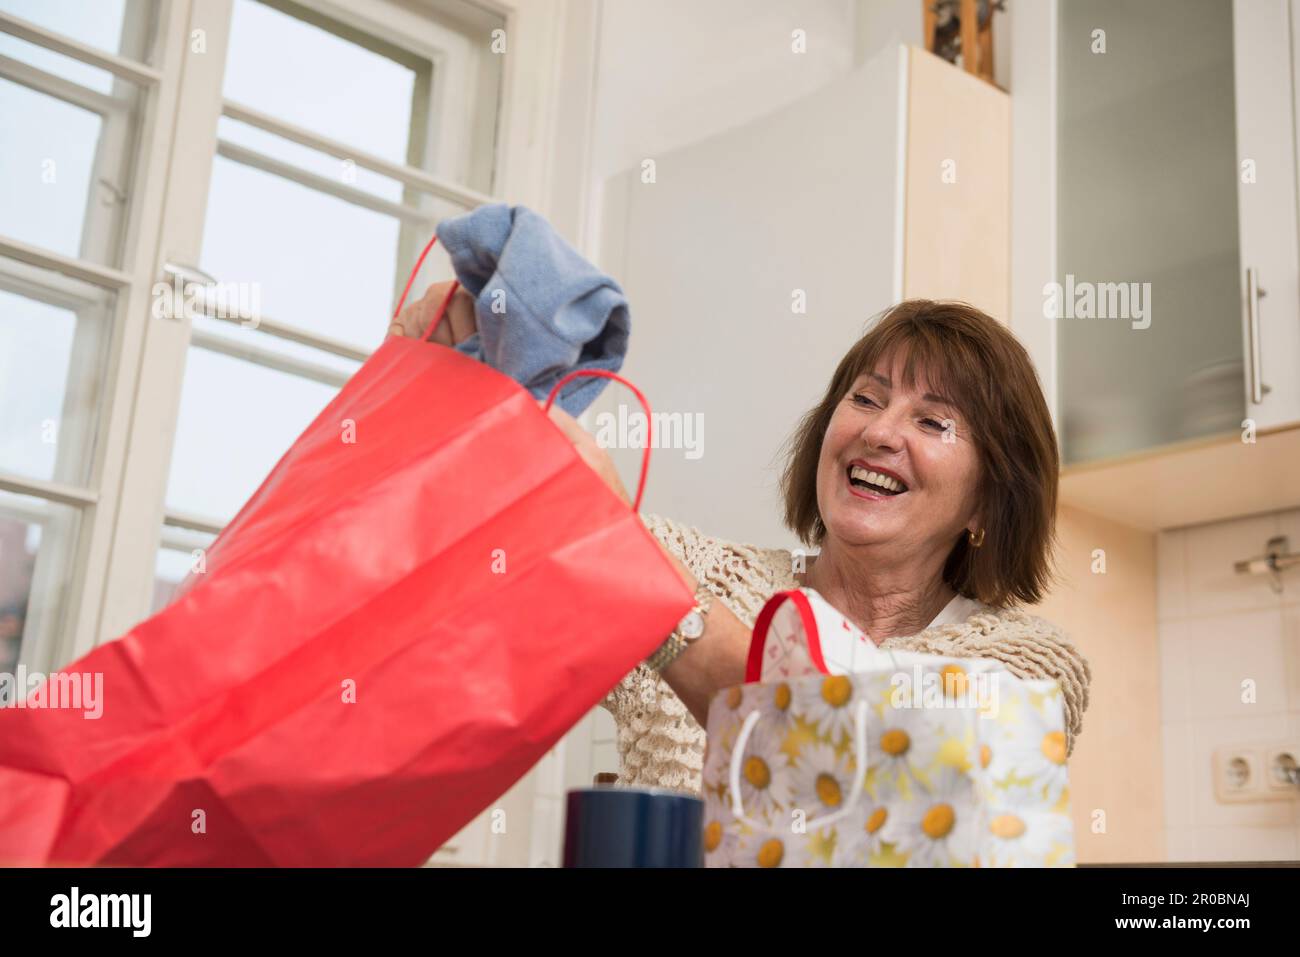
{"points": [[838, 754]]}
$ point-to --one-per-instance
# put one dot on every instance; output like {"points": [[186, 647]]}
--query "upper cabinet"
{"points": [[1176, 304]]}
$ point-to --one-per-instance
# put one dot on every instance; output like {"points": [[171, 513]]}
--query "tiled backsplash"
{"points": [[1217, 629]]}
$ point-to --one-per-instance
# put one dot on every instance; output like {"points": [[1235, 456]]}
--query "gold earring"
{"points": [[976, 540]]}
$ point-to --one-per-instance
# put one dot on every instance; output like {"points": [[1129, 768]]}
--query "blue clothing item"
{"points": [[542, 309]]}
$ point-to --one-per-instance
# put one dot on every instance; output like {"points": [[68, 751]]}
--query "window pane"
{"points": [[98, 23], [37, 541], [321, 263], [50, 189], [330, 85], [236, 420], [52, 351]]}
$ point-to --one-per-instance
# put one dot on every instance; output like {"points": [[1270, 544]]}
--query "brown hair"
{"points": [[984, 370]]}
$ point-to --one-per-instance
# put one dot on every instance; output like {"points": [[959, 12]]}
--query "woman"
{"points": [[927, 478]]}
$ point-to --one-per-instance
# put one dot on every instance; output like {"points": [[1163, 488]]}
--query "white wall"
{"points": [[878, 24], [672, 72]]}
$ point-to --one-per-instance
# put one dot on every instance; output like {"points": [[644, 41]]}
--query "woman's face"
{"points": [[909, 436]]}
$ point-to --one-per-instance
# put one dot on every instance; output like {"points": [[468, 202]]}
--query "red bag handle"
{"points": [[550, 399], [763, 624], [650, 432], [446, 300]]}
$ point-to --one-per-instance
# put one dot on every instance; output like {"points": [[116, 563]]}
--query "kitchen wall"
{"points": [[1217, 630]]}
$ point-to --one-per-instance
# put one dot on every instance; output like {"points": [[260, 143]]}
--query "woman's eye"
{"points": [[932, 423], [861, 399]]}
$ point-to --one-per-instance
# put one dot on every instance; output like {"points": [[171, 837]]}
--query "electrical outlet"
{"points": [[1238, 774], [1282, 769], [1257, 772]]}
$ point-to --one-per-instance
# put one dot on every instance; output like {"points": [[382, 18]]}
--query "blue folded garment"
{"points": [[542, 309]]}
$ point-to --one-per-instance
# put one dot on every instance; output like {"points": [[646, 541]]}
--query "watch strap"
{"points": [[676, 642]]}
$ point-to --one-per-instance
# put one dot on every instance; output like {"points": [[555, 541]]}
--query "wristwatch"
{"points": [[688, 631]]}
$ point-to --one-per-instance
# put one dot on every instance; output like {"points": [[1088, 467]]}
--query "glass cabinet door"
{"points": [[1164, 174]]}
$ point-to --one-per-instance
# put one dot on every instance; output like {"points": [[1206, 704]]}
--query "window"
{"points": [[289, 159]]}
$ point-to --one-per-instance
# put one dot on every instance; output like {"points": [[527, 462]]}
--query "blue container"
{"points": [[633, 827]]}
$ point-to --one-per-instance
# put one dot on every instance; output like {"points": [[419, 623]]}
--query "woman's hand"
{"points": [[591, 453], [456, 326]]}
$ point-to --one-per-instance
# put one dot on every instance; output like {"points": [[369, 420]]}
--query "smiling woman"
{"points": [[927, 476]]}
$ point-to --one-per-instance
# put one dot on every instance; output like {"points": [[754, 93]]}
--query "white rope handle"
{"points": [[859, 777]]}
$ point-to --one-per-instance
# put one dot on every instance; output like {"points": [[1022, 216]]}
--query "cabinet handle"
{"points": [[1253, 295]]}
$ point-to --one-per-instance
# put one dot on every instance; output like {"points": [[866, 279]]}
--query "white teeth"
{"points": [[875, 478]]}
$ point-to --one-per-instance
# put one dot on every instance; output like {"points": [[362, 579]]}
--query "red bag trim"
{"points": [[754, 664]]}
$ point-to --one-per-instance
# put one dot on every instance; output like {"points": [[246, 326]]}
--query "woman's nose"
{"points": [[883, 431]]}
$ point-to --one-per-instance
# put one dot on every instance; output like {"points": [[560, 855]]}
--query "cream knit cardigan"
{"points": [[661, 745]]}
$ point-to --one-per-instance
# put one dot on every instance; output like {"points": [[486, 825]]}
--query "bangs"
{"points": [[944, 367]]}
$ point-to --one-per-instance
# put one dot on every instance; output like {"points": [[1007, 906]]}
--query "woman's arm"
{"points": [[715, 660]]}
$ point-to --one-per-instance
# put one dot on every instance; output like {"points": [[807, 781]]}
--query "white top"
{"points": [[956, 611]]}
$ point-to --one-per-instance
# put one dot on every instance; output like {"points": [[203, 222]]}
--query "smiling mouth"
{"points": [[874, 482]]}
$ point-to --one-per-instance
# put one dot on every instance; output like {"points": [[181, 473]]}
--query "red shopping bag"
{"points": [[428, 590]]}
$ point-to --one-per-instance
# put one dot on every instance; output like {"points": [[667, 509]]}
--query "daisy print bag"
{"points": [[896, 759]]}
